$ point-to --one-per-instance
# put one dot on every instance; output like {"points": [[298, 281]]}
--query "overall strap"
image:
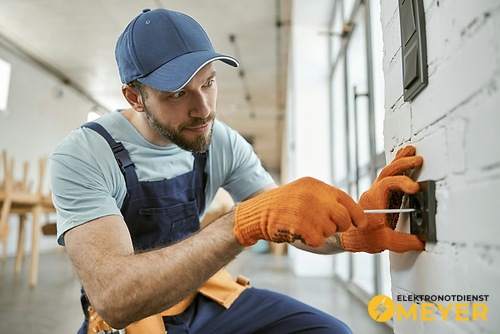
{"points": [[121, 155], [200, 161]]}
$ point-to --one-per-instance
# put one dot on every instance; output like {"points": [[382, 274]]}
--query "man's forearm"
{"points": [[134, 286], [332, 245]]}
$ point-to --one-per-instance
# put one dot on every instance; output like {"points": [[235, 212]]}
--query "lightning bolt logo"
{"points": [[381, 308]]}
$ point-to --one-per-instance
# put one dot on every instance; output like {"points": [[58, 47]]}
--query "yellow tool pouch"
{"points": [[96, 324], [150, 325], [221, 288]]}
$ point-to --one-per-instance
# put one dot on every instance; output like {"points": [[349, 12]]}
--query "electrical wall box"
{"points": [[423, 220], [413, 46]]}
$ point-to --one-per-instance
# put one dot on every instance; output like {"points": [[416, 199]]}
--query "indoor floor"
{"points": [[53, 305]]}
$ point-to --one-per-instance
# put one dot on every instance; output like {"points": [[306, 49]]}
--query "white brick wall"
{"points": [[455, 125]]}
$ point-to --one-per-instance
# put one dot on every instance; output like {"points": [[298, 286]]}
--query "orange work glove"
{"points": [[306, 209], [386, 193]]}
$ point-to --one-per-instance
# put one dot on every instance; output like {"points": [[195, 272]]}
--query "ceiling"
{"points": [[75, 40]]}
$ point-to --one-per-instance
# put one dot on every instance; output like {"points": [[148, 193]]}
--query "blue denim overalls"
{"points": [[159, 213]]}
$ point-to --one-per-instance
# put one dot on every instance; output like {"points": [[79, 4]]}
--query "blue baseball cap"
{"points": [[164, 50]]}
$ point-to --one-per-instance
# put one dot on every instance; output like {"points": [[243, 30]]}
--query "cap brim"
{"points": [[177, 73]]}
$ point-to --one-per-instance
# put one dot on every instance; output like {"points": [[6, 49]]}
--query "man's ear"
{"points": [[133, 97]]}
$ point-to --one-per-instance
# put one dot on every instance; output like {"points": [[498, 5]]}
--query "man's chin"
{"points": [[196, 144]]}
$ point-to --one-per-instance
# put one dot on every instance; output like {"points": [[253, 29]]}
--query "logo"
{"points": [[430, 307], [381, 308]]}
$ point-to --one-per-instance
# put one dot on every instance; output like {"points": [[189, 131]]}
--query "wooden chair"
{"points": [[6, 201], [15, 198]]}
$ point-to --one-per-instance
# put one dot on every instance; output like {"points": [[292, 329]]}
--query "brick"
{"points": [[407, 269], [391, 41], [397, 127], [483, 136], [465, 15], [388, 11], [393, 84], [431, 145], [466, 213], [496, 35], [455, 135], [457, 80], [450, 23]]}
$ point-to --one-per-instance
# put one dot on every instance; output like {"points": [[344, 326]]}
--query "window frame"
{"points": [[377, 159]]}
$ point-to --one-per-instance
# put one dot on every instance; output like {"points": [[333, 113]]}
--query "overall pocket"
{"points": [[165, 225]]}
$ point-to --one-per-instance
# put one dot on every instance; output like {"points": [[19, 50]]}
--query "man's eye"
{"points": [[210, 82], [178, 94]]}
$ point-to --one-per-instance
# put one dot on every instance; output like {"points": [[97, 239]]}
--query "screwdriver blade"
{"points": [[390, 211]]}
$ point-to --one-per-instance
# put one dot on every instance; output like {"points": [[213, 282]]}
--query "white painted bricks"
{"points": [[455, 125]]}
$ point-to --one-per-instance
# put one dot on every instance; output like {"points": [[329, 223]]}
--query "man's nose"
{"points": [[201, 106]]}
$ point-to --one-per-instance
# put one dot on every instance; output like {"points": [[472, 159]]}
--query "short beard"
{"points": [[199, 145]]}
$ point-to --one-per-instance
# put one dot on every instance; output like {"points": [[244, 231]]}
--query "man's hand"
{"points": [[386, 193], [307, 210]]}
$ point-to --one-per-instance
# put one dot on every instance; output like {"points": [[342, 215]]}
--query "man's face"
{"points": [[185, 117]]}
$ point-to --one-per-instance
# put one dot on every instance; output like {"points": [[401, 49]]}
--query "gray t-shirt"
{"points": [[87, 184]]}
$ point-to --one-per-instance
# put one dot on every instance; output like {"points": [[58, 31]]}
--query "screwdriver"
{"points": [[390, 211]]}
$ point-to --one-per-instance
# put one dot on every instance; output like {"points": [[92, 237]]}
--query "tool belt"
{"points": [[221, 288]]}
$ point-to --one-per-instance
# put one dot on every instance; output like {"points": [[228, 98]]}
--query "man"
{"points": [[130, 190]]}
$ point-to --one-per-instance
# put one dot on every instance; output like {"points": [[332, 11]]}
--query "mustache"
{"points": [[197, 122]]}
